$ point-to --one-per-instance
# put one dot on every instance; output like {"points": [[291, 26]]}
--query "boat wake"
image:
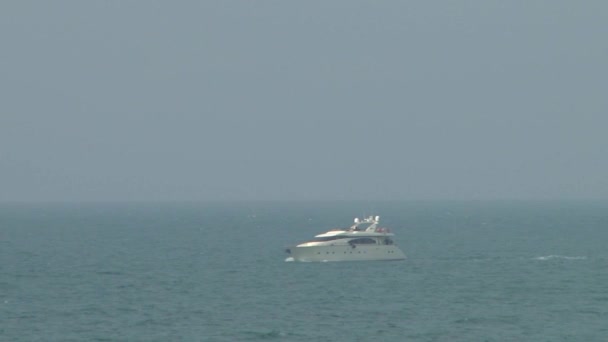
{"points": [[290, 259], [561, 257]]}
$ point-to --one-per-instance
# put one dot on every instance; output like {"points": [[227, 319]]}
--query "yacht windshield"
{"points": [[327, 238]]}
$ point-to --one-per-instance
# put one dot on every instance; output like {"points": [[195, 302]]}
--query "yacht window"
{"points": [[362, 241]]}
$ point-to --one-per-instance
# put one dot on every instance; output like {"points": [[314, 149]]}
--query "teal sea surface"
{"points": [[476, 271]]}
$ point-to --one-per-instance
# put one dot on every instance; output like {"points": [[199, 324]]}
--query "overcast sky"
{"points": [[303, 100]]}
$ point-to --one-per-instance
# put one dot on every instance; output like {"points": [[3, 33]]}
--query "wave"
{"points": [[265, 335], [563, 257]]}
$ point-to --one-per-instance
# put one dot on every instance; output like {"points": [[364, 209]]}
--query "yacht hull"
{"points": [[345, 253]]}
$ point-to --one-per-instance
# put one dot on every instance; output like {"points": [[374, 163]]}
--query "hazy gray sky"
{"points": [[198, 100]]}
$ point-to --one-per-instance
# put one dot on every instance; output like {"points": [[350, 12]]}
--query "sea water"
{"points": [[476, 271]]}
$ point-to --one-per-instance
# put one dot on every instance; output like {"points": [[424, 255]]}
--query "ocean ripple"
{"points": [[563, 257]]}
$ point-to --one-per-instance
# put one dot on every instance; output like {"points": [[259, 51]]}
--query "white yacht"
{"points": [[362, 241]]}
